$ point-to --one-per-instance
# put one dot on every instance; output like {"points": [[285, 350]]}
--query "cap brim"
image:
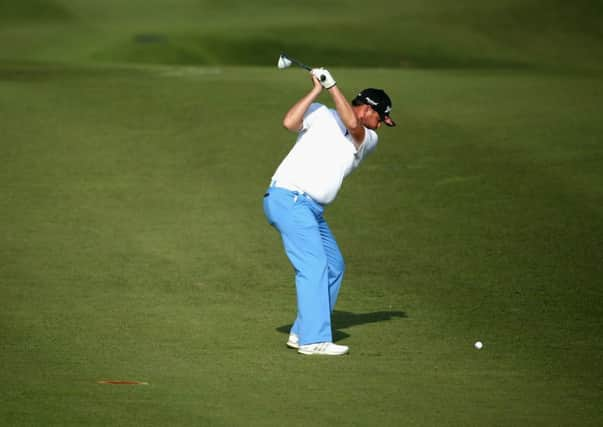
{"points": [[388, 121]]}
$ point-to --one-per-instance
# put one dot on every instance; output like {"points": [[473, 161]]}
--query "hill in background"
{"points": [[430, 33]]}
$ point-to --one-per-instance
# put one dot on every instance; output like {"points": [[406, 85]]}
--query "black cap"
{"points": [[379, 101]]}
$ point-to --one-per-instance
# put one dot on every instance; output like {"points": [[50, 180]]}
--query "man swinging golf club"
{"points": [[331, 143]]}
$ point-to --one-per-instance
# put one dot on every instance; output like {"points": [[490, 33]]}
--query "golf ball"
{"points": [[478, 345]]}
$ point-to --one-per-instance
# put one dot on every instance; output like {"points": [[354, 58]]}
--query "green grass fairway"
{"points": [[136, 145]]}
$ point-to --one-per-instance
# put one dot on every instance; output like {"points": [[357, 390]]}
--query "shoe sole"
{"points": [[292, 345], [315, 353]]}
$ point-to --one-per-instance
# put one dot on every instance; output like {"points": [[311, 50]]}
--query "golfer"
{"points": [[331, 143]]}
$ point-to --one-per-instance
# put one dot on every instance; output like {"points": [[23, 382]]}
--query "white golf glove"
{"points": [[324, 77]]}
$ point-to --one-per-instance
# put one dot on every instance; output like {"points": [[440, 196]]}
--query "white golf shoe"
{"points": [[323, 349], [293, 341]]}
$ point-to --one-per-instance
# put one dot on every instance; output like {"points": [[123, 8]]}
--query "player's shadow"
{"points": [[347, 319]]}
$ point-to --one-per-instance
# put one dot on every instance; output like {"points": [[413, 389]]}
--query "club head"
{"points": [[283, 62]]}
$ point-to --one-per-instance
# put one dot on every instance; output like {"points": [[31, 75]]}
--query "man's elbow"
{"points": [[291, 125], [358, 134], [350, 121], [354, 126]]}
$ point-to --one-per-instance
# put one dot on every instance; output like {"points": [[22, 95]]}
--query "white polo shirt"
{"points": [[323, 155]]}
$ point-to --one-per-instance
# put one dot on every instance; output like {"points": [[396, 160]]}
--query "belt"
{"points": [[287, 186]]}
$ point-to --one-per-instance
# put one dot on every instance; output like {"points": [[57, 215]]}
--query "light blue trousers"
{"points": [[315, 256]]}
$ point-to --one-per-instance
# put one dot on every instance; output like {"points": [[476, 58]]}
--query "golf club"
{"points": [[285, 61]]}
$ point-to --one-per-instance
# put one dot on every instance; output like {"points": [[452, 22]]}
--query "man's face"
{"points": [[370, 118]]}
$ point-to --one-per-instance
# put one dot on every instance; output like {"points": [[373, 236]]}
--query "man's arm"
{"points": [[294, 118], [343, 107], [347, 115]]}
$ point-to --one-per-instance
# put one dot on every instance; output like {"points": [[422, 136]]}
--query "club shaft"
{"points": [[299, 64]]}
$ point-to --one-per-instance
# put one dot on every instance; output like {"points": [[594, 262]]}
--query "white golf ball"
{"points": [[478, 345]]}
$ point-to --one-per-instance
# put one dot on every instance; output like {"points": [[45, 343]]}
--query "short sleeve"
{"points": [[369, 144], [310, 115]]}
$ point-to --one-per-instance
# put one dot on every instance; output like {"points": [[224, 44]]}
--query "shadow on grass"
{"points": [[347, 319]]}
